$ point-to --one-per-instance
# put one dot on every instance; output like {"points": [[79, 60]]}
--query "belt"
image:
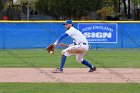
{"points": [[83, 43], [80, 43]]}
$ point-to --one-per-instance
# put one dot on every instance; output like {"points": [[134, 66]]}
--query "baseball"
{"points": [[51, 52]]}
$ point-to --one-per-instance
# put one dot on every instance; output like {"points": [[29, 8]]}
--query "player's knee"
{"points": [[64, 53], [79, 60]]}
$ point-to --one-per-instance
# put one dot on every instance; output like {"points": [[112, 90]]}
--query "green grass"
{"points": [[68, 88], [116, 58], [123, 58]]}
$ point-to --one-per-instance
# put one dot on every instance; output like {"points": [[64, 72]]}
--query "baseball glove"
{"points": [[51, 48]]}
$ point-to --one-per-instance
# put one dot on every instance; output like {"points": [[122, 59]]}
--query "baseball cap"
{"points": [[68, 22]]}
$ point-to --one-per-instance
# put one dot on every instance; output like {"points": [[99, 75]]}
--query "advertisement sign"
{"points": [[99, 32]]}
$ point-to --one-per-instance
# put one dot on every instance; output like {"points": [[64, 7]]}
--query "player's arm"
{"points": [[63, 45], [60, 38], [66, 45]]}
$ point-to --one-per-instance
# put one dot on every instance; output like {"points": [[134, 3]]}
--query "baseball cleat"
{"points": [[92, 69], [58, 70]]}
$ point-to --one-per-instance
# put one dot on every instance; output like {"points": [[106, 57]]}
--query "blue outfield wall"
{"points": [[18, 35]]}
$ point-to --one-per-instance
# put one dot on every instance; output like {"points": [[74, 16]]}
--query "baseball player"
{"points": [[78, 48]]}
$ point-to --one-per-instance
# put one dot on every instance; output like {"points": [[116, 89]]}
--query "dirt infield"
{"points": [[70, 75]]}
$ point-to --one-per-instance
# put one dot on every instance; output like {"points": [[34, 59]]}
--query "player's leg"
{"points": [[79, 58], [63, 60], [65, 54], [60, 69]]}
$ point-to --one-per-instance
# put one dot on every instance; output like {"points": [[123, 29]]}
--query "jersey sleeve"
{"points": [[62, 37]]}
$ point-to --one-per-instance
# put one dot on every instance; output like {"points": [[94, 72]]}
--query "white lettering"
{"points": [[98, 35], [87, 28], [87, 34], [102, 28]]}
